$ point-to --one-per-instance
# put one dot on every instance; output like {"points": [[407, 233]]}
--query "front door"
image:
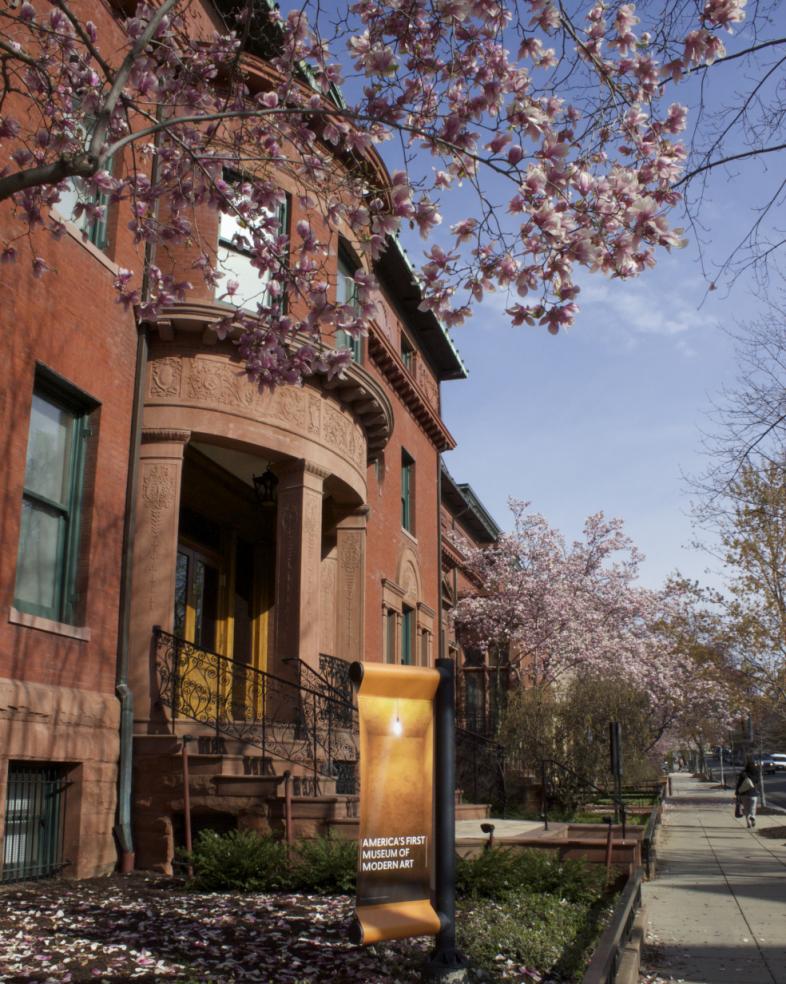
{"points": [[203, 675], [197, 585]]}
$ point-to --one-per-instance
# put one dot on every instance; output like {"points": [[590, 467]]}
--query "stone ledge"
{"points": [[80, 632]]}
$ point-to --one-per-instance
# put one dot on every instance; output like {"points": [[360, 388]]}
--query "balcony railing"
{"points": [[288, 720]]}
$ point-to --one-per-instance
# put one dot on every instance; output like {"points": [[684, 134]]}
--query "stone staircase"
{"points": [[265, 753], [233, 787]]}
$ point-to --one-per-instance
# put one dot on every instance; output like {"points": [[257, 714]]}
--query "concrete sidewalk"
{"points": [[716, 911]]}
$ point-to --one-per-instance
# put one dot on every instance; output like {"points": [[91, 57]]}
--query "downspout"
{"points": [[440, 639], [123, 830]]}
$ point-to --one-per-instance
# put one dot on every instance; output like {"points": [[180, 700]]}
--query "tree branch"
{"points": [[105, 113], [46, 174], [727, 160], [20, 55], [84, 37]]}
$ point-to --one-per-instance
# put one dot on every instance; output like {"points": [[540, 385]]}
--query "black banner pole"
{"points": [[445, 963]]}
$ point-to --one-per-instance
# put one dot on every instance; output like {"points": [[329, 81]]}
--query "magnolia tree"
{"points": [[558, 114], [567, 612]]}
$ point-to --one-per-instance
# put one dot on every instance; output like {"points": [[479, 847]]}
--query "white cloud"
{"points": [[660, 305]]}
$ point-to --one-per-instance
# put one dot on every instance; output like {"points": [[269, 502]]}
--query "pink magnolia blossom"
{"points": [[439, 77], [563, 609]]}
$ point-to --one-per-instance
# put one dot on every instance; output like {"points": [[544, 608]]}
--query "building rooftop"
{"points": [[460, 499], [395, 270]]}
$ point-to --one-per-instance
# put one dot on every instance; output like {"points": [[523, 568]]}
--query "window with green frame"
{"points": [[236, 253], [407, 635], [95, 229], [347, 293], [407, 492], [78, 192], [390, 632], [46, 570]]}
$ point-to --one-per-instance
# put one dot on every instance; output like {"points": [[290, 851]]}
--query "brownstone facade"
{"points": [[234, 602]]}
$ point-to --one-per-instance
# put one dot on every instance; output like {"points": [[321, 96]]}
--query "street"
{"points": [[774, 784]]}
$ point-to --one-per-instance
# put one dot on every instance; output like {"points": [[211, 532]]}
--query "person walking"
{"points": [[747, 792]]}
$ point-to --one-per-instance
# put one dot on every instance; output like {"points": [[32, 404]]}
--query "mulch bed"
{"points": [[149, 929]]}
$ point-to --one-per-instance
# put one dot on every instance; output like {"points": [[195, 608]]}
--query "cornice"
{"points": [[355, 388], [389, 363]]}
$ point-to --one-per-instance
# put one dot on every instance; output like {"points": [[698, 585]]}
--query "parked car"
{"points": [[772, 763]]}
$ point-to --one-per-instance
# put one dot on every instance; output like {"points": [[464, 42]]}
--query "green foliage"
{"points": [[505, 871], [239, 861], [569, 726], [325, 865], [540, 932], [526, 908], [243, 861]]}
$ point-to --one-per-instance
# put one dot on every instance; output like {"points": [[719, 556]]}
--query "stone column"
{"points": [[154, 560], [350, 586], [298, 556]]}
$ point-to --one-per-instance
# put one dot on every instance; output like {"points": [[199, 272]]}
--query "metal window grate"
{"points": [[34, 822]]}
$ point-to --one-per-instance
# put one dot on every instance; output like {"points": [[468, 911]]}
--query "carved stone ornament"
{"points": [[312, 523], [351, 553], [163, 435], [216, 381], [314, 415], [158, 494], [158, 486], [166, 375]]}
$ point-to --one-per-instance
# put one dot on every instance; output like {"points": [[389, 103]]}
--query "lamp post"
{"points": [[446, 963]]}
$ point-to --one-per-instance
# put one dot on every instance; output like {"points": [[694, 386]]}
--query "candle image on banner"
{"points": [[395, 842]]}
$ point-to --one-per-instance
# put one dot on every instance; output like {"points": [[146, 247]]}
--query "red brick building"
{"points": [[482, 677], [188, 558]]}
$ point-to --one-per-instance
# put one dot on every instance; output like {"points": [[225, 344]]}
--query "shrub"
{"points": [[325, 865], [243, 861], [239, 861], [497, 873]]}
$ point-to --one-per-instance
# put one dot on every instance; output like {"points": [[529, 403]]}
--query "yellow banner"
{"points": [[395, 849]]}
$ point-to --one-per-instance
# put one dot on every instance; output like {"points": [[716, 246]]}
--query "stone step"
{"points": [[210, 755], [262, 787], [473, 811]]}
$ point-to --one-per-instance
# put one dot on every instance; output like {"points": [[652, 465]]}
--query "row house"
{"points": [[481, 675], [190, 564]]}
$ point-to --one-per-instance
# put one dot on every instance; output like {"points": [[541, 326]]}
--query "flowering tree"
{"points": [[576, 125], [575, 611], [753, 539]]}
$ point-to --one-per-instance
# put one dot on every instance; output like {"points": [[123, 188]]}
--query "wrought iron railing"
{"points": [[309, 679], [286, 719], [336, 672], [474, 721], [566, 788], [480, 769]]}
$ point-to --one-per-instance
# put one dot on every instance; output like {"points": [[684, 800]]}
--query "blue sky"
{"points": [[608, 415], [604, 417]]}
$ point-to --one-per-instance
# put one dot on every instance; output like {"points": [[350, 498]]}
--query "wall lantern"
{"points": [[265, 486]]}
